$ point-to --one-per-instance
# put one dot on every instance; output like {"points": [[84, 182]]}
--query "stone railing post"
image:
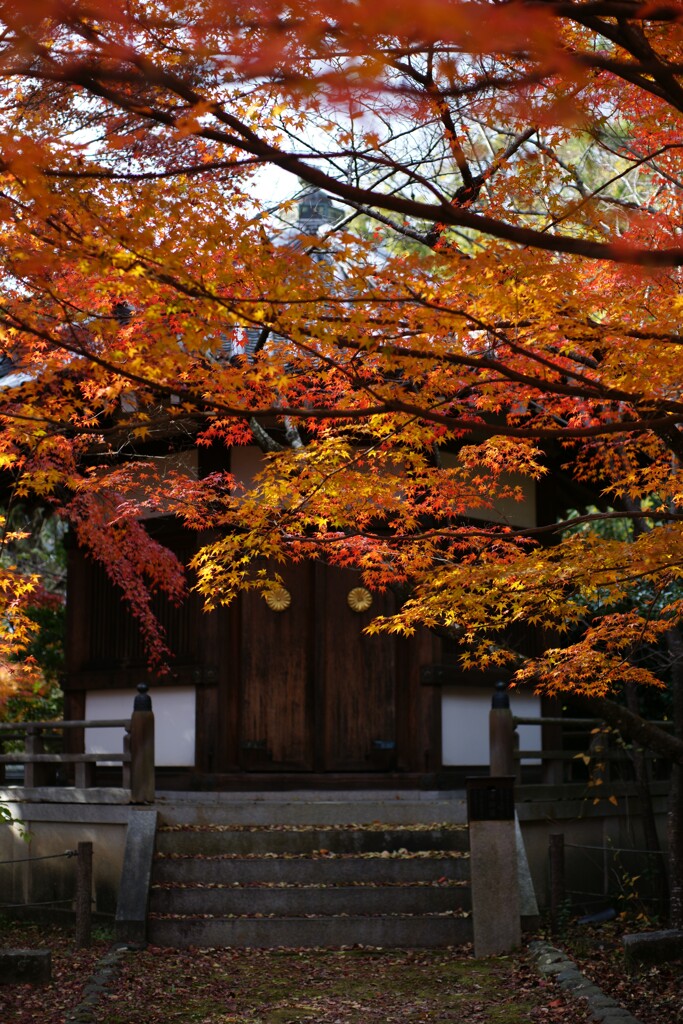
{"points": [[142, 787], [496, 898], [501, 734]]}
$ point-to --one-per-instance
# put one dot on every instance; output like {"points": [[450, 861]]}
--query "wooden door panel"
{"points": [[276, 730], [360, 682]]}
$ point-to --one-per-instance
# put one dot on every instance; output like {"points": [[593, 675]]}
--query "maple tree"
{"points": [[495, 297]]}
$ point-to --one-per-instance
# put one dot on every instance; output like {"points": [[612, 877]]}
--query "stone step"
{"points": [[295, 901], [374, 869], [403, 931], [212, 840], [305, 870], [304, 808]]}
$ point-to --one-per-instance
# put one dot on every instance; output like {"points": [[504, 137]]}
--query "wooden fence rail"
{"points": [[580, 745], [569, 747], [40, 763]]}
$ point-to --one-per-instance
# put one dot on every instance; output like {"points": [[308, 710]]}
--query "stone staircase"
{"points": [[297, 870]]}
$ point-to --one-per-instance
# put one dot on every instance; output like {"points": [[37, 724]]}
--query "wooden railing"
{"points": [[583, 748], [575, 742], [571, 749], [38, 760], [41, 764]]}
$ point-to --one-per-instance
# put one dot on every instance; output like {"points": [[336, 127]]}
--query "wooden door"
{"points": [[359, 672], [316, 694], [276, 714]]}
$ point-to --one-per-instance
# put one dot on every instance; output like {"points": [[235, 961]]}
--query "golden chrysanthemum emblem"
{"points": [[359, 599], [278, 599]]}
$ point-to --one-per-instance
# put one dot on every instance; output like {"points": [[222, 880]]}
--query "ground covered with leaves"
{"points": [[71, 968], [653, 993], [348, 986], [343, 986]]}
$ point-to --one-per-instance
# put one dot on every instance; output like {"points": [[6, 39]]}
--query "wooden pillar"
{"points": [[557, 891], [84, 776], [84, 895], [125, 774], [35, 774], [142, 783], [501, 734]]}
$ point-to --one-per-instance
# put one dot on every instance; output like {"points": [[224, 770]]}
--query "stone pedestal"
{"points": [[136, 875], [496, 909], [25, 966]]}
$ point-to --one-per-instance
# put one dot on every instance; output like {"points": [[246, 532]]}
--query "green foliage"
{"points": [[643, 595], [37, 545], [47, 646], [103, 933], [7, 818], [634, 890]]}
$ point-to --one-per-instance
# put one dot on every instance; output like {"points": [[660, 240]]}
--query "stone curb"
{"points": [[98, 985], [553, 962]]}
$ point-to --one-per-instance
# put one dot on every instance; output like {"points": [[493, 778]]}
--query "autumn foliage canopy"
{"points": [[494, 298]]}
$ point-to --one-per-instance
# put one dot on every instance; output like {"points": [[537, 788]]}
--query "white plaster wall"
{"points": [[174, 723], [505, 510], [245, 462], [52, 828], [465, 724]]}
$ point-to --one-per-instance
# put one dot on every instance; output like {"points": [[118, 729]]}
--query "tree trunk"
{"points": [[636, 729], [674, 641], [650, 835]]}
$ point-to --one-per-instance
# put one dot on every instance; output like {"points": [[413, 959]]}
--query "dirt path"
{"points": [[347, 986]]}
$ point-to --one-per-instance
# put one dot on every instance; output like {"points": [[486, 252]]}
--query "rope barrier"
{"points": [[45, 903], [32, 860], [614, 849], [81, 901]]}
